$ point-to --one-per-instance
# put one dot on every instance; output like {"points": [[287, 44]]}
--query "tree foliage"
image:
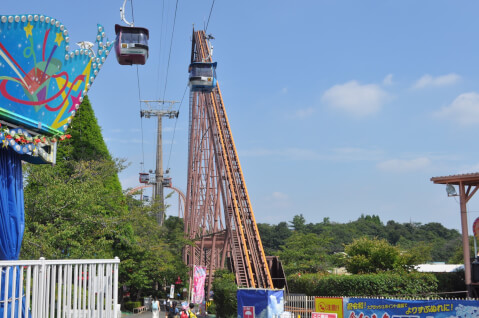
{"points": [[304, 252], [76, 209], [430, 242], [369, 256], [224, 294]]}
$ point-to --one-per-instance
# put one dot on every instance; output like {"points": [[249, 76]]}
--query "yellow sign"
{"points": [[329, 305]]}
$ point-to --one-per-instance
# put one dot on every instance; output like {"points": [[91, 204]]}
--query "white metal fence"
{"points": [[59, 288], [299, 305]]}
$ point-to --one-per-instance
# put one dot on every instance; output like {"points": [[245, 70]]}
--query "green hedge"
{"points": [[383, 284], [451, 282], [129, 305]]}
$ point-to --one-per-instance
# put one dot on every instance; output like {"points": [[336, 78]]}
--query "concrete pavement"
{"points": [[146, 314]]}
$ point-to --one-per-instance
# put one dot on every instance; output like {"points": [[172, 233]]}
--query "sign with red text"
{"points": [[323, 315], [248, 311]]}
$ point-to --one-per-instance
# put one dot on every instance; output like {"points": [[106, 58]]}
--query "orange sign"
{"points": [[329, 305]]}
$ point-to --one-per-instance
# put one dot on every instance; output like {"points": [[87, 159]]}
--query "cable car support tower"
{"points": [[219, 217], [158, 185]]}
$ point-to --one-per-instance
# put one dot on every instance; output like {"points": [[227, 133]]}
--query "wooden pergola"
{"points": [[468, 185]]}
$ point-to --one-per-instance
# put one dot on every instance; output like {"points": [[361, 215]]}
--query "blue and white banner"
{"points": [[396, 308], [265, 303]]}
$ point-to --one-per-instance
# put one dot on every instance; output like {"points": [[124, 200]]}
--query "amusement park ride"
{"points": [[42, 86], [218, 214]]}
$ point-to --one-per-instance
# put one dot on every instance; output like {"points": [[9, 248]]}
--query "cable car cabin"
{"points": [[167, 182], [131, 45], [202, 76], [144, 177]]}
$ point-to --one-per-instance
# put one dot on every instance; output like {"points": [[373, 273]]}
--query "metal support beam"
{"points": [[159, 112]]}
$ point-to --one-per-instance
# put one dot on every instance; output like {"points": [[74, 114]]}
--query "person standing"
{"points": [[155, 308], [190, 312]]}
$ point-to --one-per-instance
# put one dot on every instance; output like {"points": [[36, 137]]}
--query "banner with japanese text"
{"points": [[199, 276], [387, 308]]}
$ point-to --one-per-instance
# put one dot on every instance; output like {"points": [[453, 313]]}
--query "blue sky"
{"points": [[338, 108]]}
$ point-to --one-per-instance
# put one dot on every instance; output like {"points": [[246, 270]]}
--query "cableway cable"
{"points": [[141, 120], [171, 45], [139, 99], [161, 45], [211, 10], [174, 130]]}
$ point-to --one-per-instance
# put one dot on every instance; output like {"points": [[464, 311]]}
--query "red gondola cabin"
{"points": [[131, 45]]}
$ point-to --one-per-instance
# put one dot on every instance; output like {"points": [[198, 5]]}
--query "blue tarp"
{"points": [[267, 303], [12, 220]]}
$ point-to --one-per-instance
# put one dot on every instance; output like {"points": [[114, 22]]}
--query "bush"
{"points": [[129, 305], [450, 282], [383, 284], [224, 297], [211, 309]]}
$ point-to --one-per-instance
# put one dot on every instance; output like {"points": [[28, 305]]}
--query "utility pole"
{"points": [[160, 112]]}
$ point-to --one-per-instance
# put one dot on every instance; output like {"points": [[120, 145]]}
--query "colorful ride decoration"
{"points": [[42, 82]]}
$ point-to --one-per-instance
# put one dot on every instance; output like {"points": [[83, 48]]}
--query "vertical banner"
{"points": [[199, 276], [172, 291]]}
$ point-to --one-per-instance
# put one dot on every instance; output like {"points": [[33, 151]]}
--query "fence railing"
{"points": [[299, 305], [59, 288]]}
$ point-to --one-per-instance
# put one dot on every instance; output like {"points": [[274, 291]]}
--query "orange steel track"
{"points": [[218, 213]]}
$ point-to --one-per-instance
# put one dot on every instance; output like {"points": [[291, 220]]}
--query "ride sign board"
{"points": [[333, 305], [387, 308], [248, 311]]}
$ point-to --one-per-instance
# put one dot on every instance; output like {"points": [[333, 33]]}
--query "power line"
{"points": [[139, 98], [161, 45], [171, 45], [211, 10], [174, 130], [141, 119]]}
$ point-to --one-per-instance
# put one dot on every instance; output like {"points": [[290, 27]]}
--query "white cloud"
{"points": [[355, 99], [463, 110], [388, 80], [400, 165], [304, 113], [354, 154], [431, 81]]}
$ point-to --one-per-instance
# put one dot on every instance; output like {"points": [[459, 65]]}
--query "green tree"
{"points": [[67, 216], [224, 294], [72, 209], [365, 255], [305, 253], [76, 209], [299, 223]]}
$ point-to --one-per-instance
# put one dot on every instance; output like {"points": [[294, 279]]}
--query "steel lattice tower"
{"points": [[218, 212]]}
